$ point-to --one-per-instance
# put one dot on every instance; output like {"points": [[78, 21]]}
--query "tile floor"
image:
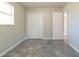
{"points": [[42, 48]]}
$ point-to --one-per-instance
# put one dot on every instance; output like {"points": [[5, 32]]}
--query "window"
{"points": [[6, 14]]}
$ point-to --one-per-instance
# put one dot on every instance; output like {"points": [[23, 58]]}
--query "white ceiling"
{"points": [[43, 4]]}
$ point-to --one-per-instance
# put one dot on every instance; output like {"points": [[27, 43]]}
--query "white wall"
{"points": [[11, 34], [47, 19], [73, 24]]}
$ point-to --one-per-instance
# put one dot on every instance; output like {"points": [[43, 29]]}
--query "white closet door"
{"points": [[34, 25], [58, 25]]}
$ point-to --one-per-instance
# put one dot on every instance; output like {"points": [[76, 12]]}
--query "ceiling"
{"points": [[43, 4]]}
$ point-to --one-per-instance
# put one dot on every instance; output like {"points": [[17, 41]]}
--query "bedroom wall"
{"points": [[47, 19], [73, 24], [12, 34]]}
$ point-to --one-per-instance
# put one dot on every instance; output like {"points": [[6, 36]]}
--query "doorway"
{"points": [[34, 25], [58, 25]]}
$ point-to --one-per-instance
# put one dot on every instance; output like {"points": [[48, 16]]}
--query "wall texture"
{"points": [[73, 24], [11, 34], [47, 19]]}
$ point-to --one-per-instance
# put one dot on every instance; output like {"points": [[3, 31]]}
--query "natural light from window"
{"points": [[6, 14]]}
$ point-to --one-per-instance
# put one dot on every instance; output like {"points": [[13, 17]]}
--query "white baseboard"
{"points": [[40, 38], [47, 38], [74, 48], [58, 39], [34, 38], [2, 54]]}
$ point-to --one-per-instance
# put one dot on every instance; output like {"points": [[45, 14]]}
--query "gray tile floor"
{"points": [[42, 48]]}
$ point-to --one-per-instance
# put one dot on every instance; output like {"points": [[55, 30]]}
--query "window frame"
{"points": [[11, 14]]}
